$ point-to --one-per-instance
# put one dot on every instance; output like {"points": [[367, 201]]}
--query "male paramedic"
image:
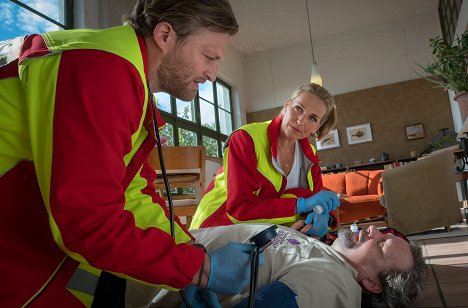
{"points": [[299, 271], [79, 212]]}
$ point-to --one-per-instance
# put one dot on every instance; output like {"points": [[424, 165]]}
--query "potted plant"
{"points": [[450, 68]]}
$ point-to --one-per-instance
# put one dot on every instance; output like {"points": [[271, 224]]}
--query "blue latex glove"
{"points": [[230, 268], [327, 199], [200, 298], [319, 224]]}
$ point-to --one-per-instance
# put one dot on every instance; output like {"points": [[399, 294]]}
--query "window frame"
{"points": [[68, 13], [196, 126]]}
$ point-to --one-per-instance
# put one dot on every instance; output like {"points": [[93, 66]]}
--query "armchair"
{"points": [[422, 195]]}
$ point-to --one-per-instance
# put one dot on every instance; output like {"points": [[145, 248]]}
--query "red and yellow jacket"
{"points": [[249, 188], [75, 186]]}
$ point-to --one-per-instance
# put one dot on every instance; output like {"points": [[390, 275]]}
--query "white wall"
{"points": [[232, 71], [462, 26], [360, 59]]}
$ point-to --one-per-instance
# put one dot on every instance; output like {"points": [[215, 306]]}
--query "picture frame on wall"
{"points": [[415, 131], [329, 141], [359, 133]]}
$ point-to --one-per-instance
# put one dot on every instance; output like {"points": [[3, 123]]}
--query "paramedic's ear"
{"points": [[164, 36], [372, 285]]}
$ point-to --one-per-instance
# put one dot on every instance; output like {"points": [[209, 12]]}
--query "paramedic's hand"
{"points": [[318, 222], [327, 199], [230, 268]]}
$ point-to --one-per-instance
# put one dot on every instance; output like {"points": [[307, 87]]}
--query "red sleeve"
{"points": [[97, 109], [244, 180]]}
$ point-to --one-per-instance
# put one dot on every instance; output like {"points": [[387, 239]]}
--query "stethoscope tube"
{"points": [[254, 260], [166, 180]]}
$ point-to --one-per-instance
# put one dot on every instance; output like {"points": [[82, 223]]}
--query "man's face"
{"points": [[373, 251], [191, 62]]}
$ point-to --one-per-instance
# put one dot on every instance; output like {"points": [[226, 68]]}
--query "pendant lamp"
{"points": [[314, 73]]}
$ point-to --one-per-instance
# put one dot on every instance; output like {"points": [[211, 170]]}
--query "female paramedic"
{"points": [[271, 172]]}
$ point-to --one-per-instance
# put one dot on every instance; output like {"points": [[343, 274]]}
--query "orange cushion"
{"points": [[356, 183], [375, 182], [335, 182]]}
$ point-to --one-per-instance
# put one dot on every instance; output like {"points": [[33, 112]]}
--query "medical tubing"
{"points": [[161, 162], [166, 181], [254, 260]]}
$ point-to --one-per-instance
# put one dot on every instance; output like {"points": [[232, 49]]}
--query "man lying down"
{"points": [[299, 271]]}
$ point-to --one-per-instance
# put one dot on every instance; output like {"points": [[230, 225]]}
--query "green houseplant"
{"points": [[450, 68]]}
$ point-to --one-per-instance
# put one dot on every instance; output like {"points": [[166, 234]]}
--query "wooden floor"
{"points": [[447, 261]]}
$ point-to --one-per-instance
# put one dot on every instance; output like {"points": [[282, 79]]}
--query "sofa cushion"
{"points": [[357, 183], [375, 182], [364, 182], [335, 182], [360, 207], [374, 199]]}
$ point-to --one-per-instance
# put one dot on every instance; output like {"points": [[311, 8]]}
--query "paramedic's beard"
{"points": [[174, 76]]}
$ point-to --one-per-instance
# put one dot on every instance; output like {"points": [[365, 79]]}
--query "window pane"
{"points": [[163, 101], [187, 138], [225, 122], [54, 9], [167, 135], [207, 114], [206, 91], [185, 110], [211, 146], [17, 21], [224, 100], [222, 148]]}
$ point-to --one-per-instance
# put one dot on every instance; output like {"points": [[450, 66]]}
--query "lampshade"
{"points": [[314, 75]]}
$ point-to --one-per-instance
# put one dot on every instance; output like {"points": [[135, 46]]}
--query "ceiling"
{"points": [[271, 24]]}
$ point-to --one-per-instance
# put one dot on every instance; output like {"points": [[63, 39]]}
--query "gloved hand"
{"points": [[230, 268], [319, 224], [327, 199]]}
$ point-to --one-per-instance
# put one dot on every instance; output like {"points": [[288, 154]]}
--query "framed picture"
{"points": [[414, 131], [329, 141], [359, 133]]}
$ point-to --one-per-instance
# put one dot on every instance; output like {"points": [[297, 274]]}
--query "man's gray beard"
{"points": [[346, 238]]}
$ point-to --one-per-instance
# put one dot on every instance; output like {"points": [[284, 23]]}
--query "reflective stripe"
{"points": [[83, 281]]}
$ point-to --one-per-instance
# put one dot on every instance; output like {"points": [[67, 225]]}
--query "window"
{"points": [[449, 10], [206, 120], [34, 16]]}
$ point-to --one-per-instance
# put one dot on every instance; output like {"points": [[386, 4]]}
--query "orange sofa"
{"points": [[362, 190]]}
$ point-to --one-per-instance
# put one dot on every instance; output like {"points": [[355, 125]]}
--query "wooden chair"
{"points": [[212, 166], [185, 168]]}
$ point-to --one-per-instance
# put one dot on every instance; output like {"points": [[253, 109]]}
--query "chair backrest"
{"points": [[180, 159], [185, 168], [212, 166], [422, 195]]}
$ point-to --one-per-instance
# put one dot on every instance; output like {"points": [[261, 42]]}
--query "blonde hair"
{"points": [[330, 118]]}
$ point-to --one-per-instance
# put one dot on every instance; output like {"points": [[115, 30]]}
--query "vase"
{"points": [[462, 100]]}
